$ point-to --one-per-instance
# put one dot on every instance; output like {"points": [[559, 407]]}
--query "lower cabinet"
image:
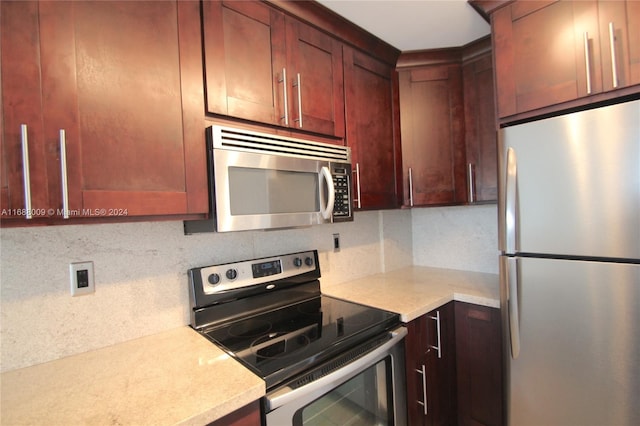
{"points": [[249, 415], [431, 368], [454, 366], [479, 364]]}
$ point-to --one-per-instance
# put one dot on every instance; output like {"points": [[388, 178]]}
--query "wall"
{"points": [[140, 274], [464, 237], [140, 270]]}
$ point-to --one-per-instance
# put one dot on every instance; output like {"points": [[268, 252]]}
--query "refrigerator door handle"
{"points": [[513, 306], [511, 202]]}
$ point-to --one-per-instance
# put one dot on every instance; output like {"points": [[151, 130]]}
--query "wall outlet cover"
{"points": [[81, 278]]}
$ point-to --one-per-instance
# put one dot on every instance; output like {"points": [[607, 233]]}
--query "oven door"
{"points": [[369, 390]]}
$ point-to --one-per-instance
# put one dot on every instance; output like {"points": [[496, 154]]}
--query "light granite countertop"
{"points": [[174, 377], [416, 290], [179, 377]]}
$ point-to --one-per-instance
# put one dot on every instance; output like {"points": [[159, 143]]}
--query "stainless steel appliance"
{"points": [[264, 181], [324, 360], [569, 214]]}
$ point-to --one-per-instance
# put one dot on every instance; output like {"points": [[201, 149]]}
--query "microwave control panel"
{"points": [[342, 184]]}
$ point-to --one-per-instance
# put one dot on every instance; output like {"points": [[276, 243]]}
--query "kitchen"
{"points": [[140, 270]]}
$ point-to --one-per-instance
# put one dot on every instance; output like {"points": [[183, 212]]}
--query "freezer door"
{"points": [[578, 341], [570, 185]]}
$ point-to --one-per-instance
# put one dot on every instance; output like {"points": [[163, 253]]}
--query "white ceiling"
{"points": [[414, 24]]}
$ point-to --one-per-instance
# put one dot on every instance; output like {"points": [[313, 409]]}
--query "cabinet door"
{"points": [[416, 370], [244, 54], [372, 108], [315, 75], [114, 77], [431, 373], [480, 130], [479, 364], [619, 43], [546, 53], [441, 385], [21, 105], [432, 124]]}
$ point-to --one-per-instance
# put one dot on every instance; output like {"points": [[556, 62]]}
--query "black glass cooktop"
{"points": [[283, 342]]}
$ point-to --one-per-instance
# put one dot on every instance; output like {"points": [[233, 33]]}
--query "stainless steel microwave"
{"points": [[264, 181]]}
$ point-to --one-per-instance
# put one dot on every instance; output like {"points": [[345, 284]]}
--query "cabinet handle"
{"points": [[63, 174], [471, 181], [410, 187], [586, 60], [26, 176], [357, 172], [612, 43], [298, 84], [439, 346], [423, 373], [286, 98]]}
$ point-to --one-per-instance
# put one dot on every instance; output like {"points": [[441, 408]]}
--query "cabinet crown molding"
{"points": [[326, 20]]}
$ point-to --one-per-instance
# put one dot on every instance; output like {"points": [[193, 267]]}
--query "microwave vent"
{"points": [[249, 141]]}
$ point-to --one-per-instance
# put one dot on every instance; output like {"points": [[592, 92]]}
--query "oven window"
{"points": [[366, 399]]}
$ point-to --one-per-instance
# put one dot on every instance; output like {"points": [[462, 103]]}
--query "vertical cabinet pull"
{"points": [[26, 176], [357, 172], [423, 373], [285, 117], [586, 60], [298, 84], [439, 345], [612, 44], [471, 182], [63, 174], [410, 187]]}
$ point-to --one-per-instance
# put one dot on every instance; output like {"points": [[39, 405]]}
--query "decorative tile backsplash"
{"points": [[140, 271]]}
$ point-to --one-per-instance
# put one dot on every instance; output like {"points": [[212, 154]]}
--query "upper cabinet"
{"points": [[264, 66], [371, 91], [245, 57], [480, 122], [101, 110], [447, 116], [549, 53], [432, 123]]}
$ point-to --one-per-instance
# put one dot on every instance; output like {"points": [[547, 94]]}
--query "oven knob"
{"points": [[297, 262], [214, 279], [232, 274], [308, 261]]}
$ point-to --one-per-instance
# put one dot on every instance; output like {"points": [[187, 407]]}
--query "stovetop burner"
{"points": [[281, 326]]}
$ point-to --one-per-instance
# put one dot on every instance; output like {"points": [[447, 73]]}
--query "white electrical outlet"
{"points": [[81, 278]]}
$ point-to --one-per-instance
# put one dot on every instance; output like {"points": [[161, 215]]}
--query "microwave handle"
{"points": [[327, 211]]}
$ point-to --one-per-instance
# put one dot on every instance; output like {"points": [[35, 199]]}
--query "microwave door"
{"points": [[258, 191]]}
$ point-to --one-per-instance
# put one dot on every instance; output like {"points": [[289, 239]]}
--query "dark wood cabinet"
{"points": [[316, 80], [122, 79], [479, 365], [249, 415], [21, 100], [264, 66], [548, 54], [433, 140], [245, 56], [447, 116], [431, 368], [371, 98], [480, 122]]}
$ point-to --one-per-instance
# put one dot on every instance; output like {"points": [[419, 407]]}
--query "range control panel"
{"points": [[231, 276]]}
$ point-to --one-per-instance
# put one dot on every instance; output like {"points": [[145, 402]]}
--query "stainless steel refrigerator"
{"points": [[569, 230]]}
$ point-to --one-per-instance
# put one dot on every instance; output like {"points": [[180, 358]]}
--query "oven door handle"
{"points": [[286, 394]]}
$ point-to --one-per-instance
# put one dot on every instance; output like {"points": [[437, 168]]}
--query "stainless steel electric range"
{"points": [[320, 357]]}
